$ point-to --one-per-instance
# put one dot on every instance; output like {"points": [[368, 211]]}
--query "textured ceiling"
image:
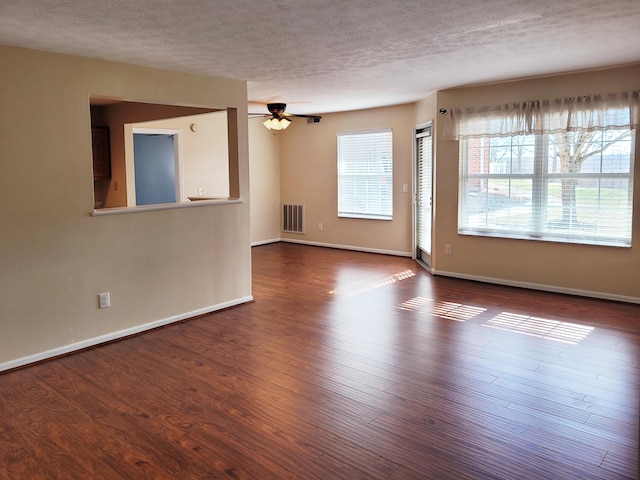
{"points": [[335, 55]]}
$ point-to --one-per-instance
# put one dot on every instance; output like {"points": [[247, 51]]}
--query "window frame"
{"points": [[540, 179], [384, 201]]}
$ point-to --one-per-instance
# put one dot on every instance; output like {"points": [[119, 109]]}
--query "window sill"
{"points": [[589, 241], [201, 202], [364, 217]]}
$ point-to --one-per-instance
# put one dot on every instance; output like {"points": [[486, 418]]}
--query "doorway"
{"points": [[156, 166], [423, 217]]}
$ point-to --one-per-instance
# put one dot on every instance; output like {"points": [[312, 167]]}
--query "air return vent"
{"points": [[292, 218]]}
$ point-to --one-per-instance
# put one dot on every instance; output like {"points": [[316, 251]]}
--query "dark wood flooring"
{"points": [[347, 366]]}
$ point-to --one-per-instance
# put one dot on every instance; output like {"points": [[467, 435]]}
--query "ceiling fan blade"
{"points": [[303, 116], [277, 111]]}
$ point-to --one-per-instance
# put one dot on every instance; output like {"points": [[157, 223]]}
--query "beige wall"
{"points": [[609, 271], [56, 258], [309, 171], [425, 110], [264, 152]]}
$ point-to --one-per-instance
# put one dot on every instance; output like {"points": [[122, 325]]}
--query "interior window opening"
{"points": [[152, 154]]}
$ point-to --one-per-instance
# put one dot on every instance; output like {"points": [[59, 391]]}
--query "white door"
{"points": [[424, 193]]}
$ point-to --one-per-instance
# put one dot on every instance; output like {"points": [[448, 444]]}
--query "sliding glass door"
{"points": [[424, 193]]}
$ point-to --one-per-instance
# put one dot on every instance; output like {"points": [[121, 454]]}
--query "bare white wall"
{"points": [[56, 258]]}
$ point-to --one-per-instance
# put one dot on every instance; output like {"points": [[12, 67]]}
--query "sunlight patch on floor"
{"points": [[373, 283], [415, 303], [540, 327], [447, 310]]}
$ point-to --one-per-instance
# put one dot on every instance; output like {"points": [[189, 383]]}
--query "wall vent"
{"points": [[292, 218]]}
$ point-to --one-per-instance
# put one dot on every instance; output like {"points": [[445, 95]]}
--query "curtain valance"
{"points": [[582, 113]]}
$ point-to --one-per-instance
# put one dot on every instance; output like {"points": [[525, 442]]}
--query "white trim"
{"points": [[364, 216], [38, 357], [426, 267], [265, 242], [539, 286], [162, 206], [349, 247]]}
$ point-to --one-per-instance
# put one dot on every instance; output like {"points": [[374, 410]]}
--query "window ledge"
{"points": [[600, 242], [364, 216], [201, 202]]}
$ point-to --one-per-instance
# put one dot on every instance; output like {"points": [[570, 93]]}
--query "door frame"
{"points": [[414, 203]]}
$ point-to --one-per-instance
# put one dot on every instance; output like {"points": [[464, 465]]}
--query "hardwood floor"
{"points": [[347, 365]]}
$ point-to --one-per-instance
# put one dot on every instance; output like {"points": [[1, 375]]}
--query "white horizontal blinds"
{"points": [[570, 186], [424, 149], [497, 186], [589, 178], [365, 174]]}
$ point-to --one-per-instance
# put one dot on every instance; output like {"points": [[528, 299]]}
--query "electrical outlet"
{"points": [[201, 191], [405, 187], [448, 249], [104, 300], [320, 226]]}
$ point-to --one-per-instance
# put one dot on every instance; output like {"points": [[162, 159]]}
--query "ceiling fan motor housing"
{"points": [[276, 109]]}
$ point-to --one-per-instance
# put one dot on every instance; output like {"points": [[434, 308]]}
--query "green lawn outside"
{"points": [[603, 210]]}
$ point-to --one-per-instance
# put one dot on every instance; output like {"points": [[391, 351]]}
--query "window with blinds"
{"points": [[569, 186], [365, 174]]}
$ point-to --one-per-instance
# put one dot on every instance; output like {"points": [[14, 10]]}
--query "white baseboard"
{"points": [[38, 357], [265, 242], [348, 247], [538, 286]]}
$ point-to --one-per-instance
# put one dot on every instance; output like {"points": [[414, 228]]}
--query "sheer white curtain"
{"points": [[585, 113]]}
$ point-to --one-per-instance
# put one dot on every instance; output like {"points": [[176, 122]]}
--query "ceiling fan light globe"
{"points": [[275, 123]]}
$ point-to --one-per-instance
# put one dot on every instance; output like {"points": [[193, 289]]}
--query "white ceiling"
{"points": [[323, 56]]}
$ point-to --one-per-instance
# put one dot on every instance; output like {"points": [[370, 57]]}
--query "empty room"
{"points": [[319, 240]]}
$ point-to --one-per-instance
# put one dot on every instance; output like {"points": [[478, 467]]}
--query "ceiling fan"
{"points": [[278, 119]]}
